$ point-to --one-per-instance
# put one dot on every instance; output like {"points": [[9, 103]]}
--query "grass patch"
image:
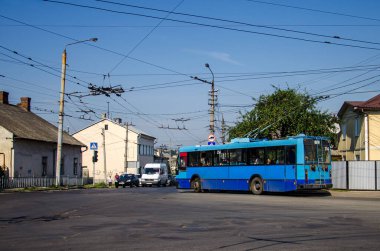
{"points": [[97, 185]]}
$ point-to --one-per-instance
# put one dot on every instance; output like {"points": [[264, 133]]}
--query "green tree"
{"points": [[286, 112]]}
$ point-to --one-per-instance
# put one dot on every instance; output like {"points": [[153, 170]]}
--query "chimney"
{"points": [[4, 97], [25, 103]]}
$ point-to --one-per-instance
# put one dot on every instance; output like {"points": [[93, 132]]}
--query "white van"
{"points": [[154, 174]]}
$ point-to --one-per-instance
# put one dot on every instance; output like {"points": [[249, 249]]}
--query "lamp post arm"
{"points": [[82, 41]]}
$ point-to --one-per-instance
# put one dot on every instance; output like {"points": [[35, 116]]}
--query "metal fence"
{"points": [[7, 183], [356, 175]]}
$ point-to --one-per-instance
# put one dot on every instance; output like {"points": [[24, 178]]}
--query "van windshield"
{"points": [[150, 170]]}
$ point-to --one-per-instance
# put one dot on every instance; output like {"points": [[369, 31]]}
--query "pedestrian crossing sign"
{"points": [[94, 146]]}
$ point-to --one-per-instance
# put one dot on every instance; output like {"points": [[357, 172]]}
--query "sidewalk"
{"points": [[355, 194]]}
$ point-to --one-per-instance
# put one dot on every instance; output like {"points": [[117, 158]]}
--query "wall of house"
{"points": [[29, 156], [353, 146], [115, 138], [6, 152], [374, 135]]}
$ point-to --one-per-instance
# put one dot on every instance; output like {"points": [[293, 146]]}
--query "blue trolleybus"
{"points": [[291, 164]]}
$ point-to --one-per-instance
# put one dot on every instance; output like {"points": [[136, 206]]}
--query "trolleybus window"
{"points": [[193, 158], [256, 156], [290, 154], [237, 157], [206, 158], [316, 151], [325, 150], [275, 155], [222, 158]]}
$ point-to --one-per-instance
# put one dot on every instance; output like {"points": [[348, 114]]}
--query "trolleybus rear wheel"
{"points": [[257, 186]]}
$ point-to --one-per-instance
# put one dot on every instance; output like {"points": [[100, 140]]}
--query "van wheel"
{"points": [[256, 186], [196, 185]]}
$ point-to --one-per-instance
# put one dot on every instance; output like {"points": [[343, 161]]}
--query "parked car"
{"points": [[171, 180], [127, 179], [139, 177]]}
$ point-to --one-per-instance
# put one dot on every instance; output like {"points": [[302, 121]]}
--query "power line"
{"points": [[144, 38], [214, 26], [187, 26], [95, 46], [313, 10], [234, 22], [41, 64]]}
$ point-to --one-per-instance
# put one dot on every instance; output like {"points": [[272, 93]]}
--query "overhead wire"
{"points": [[95, 46], [41, 64], [212, 26], [234, 22], [144, 38], [313, 10]]}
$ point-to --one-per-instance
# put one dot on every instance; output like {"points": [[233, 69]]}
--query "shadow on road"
{"points": [[309, 193]]}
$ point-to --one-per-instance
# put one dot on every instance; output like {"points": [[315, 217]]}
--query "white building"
{"points": [[28, 144], [118, 151]]}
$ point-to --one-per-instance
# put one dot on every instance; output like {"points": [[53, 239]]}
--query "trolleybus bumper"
{"points": [[314, 186]]}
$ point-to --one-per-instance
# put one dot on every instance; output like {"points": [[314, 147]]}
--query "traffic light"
{"points": [[95, 157]]}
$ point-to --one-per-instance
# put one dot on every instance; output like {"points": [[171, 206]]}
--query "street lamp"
{"points": [[212, 112], [61, 109]]}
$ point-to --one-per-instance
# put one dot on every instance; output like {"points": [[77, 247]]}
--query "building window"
{"points": [[357, 157], [344, 131], [105, 127], [357, 127], [44, 166], [75, 170]]}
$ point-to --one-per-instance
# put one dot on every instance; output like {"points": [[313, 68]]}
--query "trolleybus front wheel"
{"points": [[196, 185], [257, 186]]}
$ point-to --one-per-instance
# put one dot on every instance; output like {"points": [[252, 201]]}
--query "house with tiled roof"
{"points": [[359, 137], [28, 143], [120, 146]]}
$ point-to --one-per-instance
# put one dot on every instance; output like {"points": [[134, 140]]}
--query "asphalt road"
{"points": [[165, 219]]}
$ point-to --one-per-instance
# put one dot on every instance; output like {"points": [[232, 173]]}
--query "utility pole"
{"points": [[212, 104], [61, 112], [223, 130], [212, 100], [60, 121], [126, 149], [104, 155]]}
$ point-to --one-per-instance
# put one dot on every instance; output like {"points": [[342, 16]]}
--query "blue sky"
{"points": [[157, 74]]}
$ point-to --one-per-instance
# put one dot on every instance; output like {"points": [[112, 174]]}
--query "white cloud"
{"points": [[221, 56]]}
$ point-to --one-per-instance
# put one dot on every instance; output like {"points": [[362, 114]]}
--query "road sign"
{"points": [[211, 143], [211, 138], [94, 146]]}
